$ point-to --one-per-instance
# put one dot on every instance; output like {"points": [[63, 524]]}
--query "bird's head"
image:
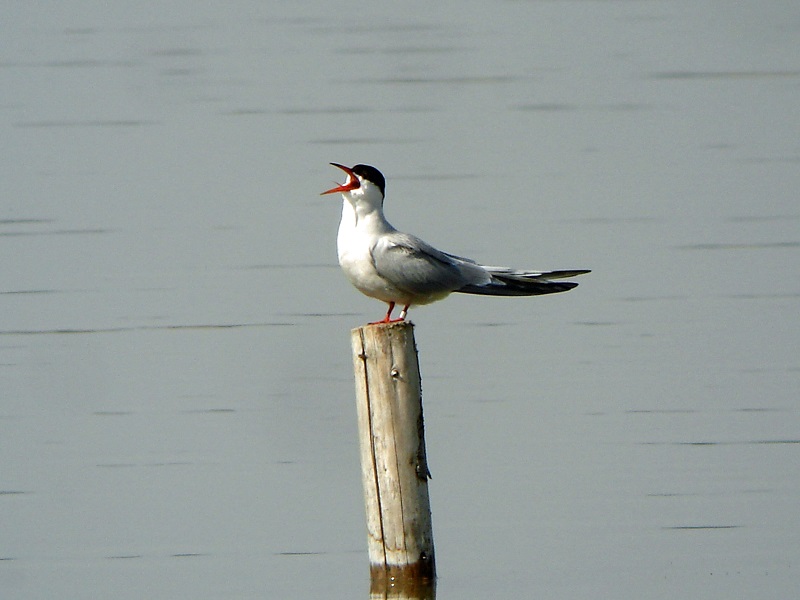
{"points": [[363, 183]]}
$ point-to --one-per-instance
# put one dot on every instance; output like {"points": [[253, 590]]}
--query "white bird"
{"points": [[399, 268]]}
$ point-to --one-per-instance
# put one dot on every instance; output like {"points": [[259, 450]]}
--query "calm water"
{"points": [[176, 405]]}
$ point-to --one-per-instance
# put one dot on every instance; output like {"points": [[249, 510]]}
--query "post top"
{"points": [[386, 326]]}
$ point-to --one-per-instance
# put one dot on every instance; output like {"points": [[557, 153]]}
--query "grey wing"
{"points": [[525, 273], [504, 281], [418, 268]]}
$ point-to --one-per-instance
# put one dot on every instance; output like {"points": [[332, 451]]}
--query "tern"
{"points": [[401, 269]]}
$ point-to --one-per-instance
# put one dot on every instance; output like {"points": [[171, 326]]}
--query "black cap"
{"points": [[371, 174]]}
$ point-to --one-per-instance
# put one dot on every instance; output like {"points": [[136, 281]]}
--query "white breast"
{"points": [[354, 243]]}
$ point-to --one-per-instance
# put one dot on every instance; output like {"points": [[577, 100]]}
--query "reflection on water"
{"points": [[177, 416]]}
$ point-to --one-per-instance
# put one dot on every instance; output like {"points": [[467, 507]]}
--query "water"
{"points": [[177, 414]]}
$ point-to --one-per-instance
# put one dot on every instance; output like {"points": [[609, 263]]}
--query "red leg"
{"points": [[387, 318]]}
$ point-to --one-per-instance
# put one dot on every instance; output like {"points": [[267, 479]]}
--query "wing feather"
{"points": [[418, 268]]}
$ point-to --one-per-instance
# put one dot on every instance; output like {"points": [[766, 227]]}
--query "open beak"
{"points": [[352, 182]]}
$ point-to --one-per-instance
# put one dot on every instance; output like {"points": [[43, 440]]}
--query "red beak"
{"points": [[352, 182]]}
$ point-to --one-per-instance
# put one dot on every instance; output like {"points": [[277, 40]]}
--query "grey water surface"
{"points": [[176, 402]]}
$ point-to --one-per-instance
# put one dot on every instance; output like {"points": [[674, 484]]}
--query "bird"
{"points": [[401, 269]]}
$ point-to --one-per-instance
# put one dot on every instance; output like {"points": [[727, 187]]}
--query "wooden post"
{"points": [[393, 463]]}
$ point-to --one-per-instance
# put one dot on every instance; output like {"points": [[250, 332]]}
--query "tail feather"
{"points": [[563, 274], [509, 282]]}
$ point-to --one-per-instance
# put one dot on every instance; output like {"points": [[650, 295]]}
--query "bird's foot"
{"points": [[386, 320]]}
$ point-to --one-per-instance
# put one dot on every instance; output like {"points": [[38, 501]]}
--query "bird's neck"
{"points": [[363, 217]]}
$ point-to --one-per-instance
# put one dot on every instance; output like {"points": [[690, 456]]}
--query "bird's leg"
{"points": [[387, 318], [404, 312]]}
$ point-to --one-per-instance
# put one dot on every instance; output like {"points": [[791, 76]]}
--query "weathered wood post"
{"points": [[393, 463]]}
